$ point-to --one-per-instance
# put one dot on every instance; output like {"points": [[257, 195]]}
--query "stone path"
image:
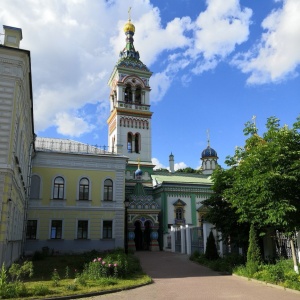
{"points": [[175, 277]]}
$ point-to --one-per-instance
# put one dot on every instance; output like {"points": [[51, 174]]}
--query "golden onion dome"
{"points": [[129, 27]]}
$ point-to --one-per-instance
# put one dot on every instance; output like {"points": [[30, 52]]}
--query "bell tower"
{"points": [[129, 123]]}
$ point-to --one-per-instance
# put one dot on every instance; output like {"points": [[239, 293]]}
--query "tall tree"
{"points": [[266, 186], [222, 214]]}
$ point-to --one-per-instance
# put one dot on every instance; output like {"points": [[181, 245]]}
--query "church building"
{"points": [[61, 195]]}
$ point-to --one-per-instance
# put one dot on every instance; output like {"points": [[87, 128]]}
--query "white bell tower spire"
{"points": [[129, 122]]}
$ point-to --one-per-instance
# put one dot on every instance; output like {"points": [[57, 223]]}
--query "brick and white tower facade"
{"points": [[129, 123]]}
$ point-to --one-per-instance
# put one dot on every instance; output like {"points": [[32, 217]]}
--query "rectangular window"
{"points": [[107, 230], [56, 229], [82, 230], [108, 192], [31, 229], [83, 193]]}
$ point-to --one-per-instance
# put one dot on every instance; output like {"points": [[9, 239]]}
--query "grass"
{"points": [[280, 273], [64, 275], [224, 264]]}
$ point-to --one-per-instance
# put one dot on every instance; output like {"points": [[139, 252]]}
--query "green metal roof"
{"points": [[182, 178], [139, 190]]}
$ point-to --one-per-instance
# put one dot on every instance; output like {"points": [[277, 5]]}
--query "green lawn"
{"points": [[62, 275]]}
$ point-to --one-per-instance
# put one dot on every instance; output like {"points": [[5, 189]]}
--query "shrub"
{"points": [[112, 265], [55, 278], [194, 255], [18, 272], [40, 290], [211, 251], [253, 254]]}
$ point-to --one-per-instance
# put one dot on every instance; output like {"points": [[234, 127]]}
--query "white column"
{"points": [[298, 243], [182, 231], [188, 240], [219, 235], [172, 239]]}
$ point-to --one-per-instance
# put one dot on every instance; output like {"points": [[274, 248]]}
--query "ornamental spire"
{"points": [[129, 50], [208, 138]]}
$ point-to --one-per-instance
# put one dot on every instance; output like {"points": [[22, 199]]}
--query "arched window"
{"points": [[137, 143], [179, 213], [108, 190], [129, 142], [35, 187], [84, 188], [138, 95], [128, 94], [58, 188]]}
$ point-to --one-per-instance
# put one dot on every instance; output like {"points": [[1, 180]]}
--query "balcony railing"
{"points": [[69, 146], [132, 105]]}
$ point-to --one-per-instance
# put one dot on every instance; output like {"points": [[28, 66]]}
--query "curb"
{"points": [[268, 284], [77, 296]]}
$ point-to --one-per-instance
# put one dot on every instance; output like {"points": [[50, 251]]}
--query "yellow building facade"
{"points": [[77, 198], [16, 143]]}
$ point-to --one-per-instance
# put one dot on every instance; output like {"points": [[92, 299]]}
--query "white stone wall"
{"points": [[16, 135]]}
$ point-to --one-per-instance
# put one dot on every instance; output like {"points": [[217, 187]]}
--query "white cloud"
{"points": [[74, 46], [72, 125], [277, 54], [157, 164], [220, 28], [180, 165]]}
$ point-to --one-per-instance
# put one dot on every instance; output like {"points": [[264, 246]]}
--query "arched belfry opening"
{"points": [[128, 94]]}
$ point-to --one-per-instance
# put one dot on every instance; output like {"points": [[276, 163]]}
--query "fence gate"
{"points": [[283, 246], [177, 239], [197, 243]]}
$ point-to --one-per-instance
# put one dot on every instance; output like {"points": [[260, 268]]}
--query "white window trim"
{"points": [[113, 229], [76, 229], [114, 189], [90, 188], [52, 187], [62, 229]]}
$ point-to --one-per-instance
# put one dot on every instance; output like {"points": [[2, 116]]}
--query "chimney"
{"points": [[12, 36]]}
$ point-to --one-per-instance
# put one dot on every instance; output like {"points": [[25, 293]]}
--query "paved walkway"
{"points": [[175, 277]]}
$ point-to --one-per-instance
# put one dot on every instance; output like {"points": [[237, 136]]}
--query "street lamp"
{"points": [[126, 204]]}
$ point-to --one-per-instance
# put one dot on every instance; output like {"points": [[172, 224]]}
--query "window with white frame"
{"points": [[58, 188], [108, 190], [84, 188], [56, 229], [82, 229], [107, 229]]}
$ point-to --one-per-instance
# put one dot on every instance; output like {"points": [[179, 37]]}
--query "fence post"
{"points": [[188, 240], [204, 236], [172, 239], [182, 229], [298, 246]]}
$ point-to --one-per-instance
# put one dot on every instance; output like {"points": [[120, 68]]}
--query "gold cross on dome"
{"points": [[129, 13]]}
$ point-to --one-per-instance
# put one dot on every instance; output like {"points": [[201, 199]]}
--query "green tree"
{"points": [[222, 214], [253, 254], [265, 188], [211, 251], [189, 170]]}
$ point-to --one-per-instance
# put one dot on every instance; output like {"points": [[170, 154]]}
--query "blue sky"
{"points": [[215, 64]]}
